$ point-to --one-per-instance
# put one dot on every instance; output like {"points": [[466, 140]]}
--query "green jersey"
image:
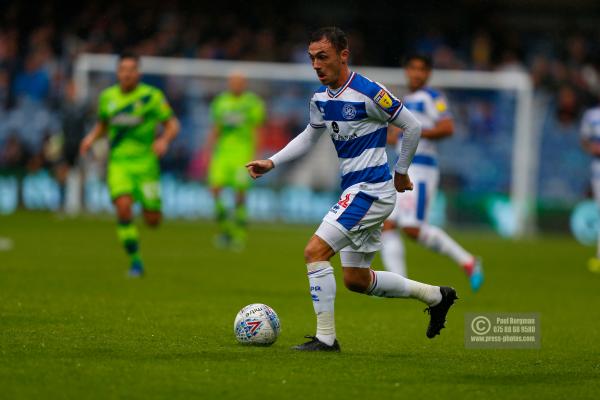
{"points": [[236, 119], [132, 119]]}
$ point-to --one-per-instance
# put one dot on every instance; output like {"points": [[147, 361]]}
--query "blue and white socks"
{"points": [[389, 284], [437, 240], [322, 290]]}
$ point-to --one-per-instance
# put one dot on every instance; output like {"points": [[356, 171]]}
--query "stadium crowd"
{"points": [[38, 49]]}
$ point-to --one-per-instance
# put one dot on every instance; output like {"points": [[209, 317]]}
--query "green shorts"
{"points": [[139, 179], [229, 171]]}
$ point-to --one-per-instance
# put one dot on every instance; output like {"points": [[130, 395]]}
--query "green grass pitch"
{"points": [[73, 326]]}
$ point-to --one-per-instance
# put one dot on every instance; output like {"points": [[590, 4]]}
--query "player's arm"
{"points": [[171, 129], [411, 133], [443, 128], [101, 126], [164, 113], [437, 108], [294, 149], [96, 133]]}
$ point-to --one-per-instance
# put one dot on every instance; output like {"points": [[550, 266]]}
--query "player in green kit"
{"points": [[237, 115], [130, 113]]}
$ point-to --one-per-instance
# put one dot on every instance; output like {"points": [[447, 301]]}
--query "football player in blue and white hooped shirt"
{"points": [[590, 140], [355, 112], [411, 212]]}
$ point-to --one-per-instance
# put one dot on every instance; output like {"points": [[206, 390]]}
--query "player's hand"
{"points": [[258, 168], [402, 182], [160, 146], [86, 145]]}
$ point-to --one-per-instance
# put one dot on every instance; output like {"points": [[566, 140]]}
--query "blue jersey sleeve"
{"points": [[316, 116]]}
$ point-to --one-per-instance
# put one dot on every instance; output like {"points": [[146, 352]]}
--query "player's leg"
{"points": [[217, 180], [346, 224], [152, 218], [223, 239], [360, 278], [594, 262], [330, 237], [128, 233], [392, 247], [241, 184], [413, 218], [317, 254], [121, 185], [147, 191], [439, 241]]}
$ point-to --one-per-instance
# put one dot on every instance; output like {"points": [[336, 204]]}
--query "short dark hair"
{"points": [[425, 59], [332, 34], [127, 55]]}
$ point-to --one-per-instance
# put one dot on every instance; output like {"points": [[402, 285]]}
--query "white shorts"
{"points": [[353, 227], [596, 180], [412, 207]]}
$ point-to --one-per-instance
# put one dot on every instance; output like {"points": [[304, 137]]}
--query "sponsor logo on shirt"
{"points": [[126, 120], [335, 127], [335, 136]]}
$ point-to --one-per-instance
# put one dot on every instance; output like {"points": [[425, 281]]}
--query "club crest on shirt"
{"points": [[348, 111], [383, 99]]}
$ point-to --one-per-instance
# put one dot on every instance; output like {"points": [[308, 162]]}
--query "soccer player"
{"points": [[411, 211], [130, 113], [590, 140], [237, 114], [355, 112]]}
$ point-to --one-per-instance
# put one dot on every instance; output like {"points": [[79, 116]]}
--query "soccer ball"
{"points": [[257, 324]]}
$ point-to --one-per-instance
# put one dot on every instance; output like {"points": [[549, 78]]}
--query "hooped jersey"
{"points": [[356, 117], [429, 106], [590, 125]]}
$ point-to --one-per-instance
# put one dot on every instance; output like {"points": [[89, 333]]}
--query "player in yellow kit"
{"points": [[237, 115], [130, 113]]}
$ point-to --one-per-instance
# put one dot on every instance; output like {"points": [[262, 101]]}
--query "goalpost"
{"points": [[525, 146]]}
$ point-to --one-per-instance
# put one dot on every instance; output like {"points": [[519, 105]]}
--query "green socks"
{"points": [[232, 226], [129, 238], [240, 224]]}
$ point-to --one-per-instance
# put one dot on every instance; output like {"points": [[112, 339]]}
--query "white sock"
{"points": [[437, 240], [322, 290], [392, 252], [389, 284]]}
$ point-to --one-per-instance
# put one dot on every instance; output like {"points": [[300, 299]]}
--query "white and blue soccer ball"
{"points": [[257, 324]]}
